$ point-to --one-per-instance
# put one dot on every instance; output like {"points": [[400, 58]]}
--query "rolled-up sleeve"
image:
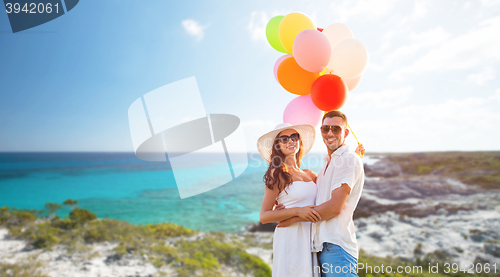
{"points": [[347, 170]]}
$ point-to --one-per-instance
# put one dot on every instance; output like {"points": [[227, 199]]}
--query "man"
{"points": [[340, 183]]}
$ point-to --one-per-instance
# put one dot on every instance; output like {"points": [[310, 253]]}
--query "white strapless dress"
{"points": [[292, 245]]}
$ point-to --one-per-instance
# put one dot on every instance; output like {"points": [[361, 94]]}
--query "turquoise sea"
{"points": [[121, 186]]}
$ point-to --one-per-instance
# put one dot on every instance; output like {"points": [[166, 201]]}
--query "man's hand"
{"points": [[287, 222], [309, 214], [360, 150]]}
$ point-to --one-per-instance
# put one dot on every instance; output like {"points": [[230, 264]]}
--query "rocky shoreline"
{"points": [[428, 216]]}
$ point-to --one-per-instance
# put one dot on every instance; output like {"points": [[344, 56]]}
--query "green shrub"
{"points": [[42, 235], [64, 224], [82, 216], [202, 253], [70, 202], [120, 249], [251, 263], [28, 267], [52, 208], [16, 217], [167, 253], [167, 230]]}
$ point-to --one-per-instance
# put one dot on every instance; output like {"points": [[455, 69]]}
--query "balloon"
{"points": [[294, 78], [272, 33], [349, 58], [291, 25], [353, 83], [322, 72], [277, 63], [329, 92], [301, 110], [312, 50], [320, 29], [336, 33]]}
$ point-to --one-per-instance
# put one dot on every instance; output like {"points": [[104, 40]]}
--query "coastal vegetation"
{"points": [[188, 252], [473, 168]]}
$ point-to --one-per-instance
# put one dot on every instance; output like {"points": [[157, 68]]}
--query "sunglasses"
{"points": [[284, 139], [335, 128]]}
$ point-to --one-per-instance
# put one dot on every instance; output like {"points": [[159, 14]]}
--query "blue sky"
{"points": [[431, 84]]}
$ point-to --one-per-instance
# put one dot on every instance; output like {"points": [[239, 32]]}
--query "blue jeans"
{"points": [[335, 261]]}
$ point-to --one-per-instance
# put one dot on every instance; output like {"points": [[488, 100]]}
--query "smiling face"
{"points": [[331, 139], [291, 147]]}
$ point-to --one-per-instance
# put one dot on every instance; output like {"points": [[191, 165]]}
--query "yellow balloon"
{"points": [[323, 72], [291, 25]]}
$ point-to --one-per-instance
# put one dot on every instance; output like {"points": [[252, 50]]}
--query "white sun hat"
{"points": [[266, 142]]}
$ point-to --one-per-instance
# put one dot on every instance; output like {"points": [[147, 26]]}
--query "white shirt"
{"points": [[344, 167]]}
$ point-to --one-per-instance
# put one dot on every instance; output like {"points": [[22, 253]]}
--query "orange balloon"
{"points": [[294, 78]]}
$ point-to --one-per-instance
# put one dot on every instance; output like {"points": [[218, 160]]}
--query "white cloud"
{"points": [[419, 41], [420, 9], [453, 117], [455, 124], [257, 25], [371, 9], [482, 77], [490, 3], [466, 51], [194, 28], [496, 96], [384, 99]]}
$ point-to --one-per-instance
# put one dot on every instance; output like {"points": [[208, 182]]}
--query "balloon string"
{"points": [[361, 155], [353, 133]]}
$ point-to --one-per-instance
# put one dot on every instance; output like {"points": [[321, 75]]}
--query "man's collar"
{"points": [[341, 150]]}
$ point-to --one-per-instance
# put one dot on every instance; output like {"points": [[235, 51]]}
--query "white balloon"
{"points": [[336, 33], [353, 83], [349, 58]]}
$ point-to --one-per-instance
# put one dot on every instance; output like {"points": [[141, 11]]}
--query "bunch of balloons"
{"points": [[320, 65]]}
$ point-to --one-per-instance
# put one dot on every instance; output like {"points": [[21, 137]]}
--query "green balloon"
{"points": [[272, 33]]}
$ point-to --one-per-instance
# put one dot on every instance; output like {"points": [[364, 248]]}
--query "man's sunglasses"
{"points": [[335, 128], [284, 139]]}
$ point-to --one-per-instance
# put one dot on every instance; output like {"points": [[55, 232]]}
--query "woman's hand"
{"points": [[308, 213], [360, 150], [278, 206]]}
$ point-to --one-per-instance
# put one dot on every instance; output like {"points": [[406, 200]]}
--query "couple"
{"points": [[314, 211]]}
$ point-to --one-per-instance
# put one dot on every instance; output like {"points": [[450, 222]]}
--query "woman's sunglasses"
{"points": [[284, 139], [335, 128]]}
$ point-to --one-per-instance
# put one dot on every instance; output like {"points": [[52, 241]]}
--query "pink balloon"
{"points": [[277, 64], [302, 110], [312, 50], [353, 83]]}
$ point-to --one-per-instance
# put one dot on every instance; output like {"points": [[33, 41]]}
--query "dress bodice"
{"points": [[298, 194]]}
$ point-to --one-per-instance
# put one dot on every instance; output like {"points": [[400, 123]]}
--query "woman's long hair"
{"points": [[281, 171]]}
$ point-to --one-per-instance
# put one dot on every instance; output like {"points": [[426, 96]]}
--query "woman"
{"points": [[288, 185], [283, 148]]}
